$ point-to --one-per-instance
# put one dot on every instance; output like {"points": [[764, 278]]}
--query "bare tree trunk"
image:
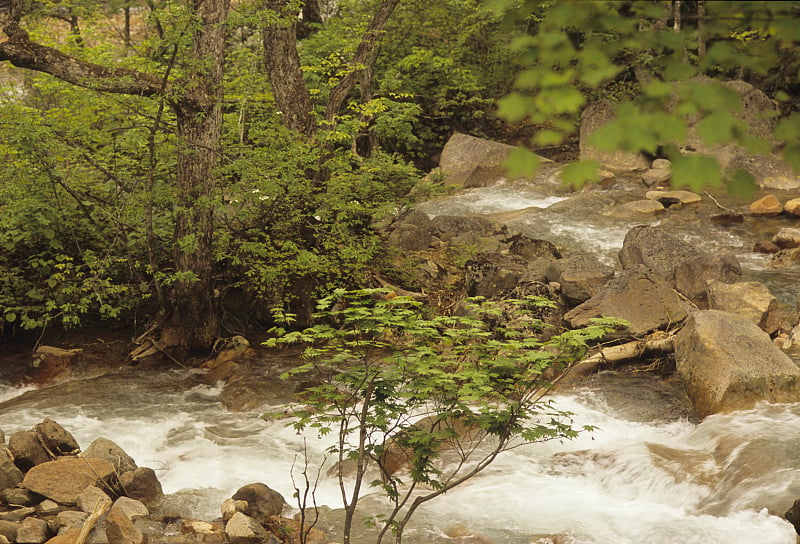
{"points": [[283, 69], [676, 15], [364, 58]]}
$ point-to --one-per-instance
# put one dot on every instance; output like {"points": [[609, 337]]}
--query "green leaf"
{"points": [[10, 317], [576, 174], [696, 172], [742, 184], [547, 137], [522, 162], [720, 126], [514, 107]]}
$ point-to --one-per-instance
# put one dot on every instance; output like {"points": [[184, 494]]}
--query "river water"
{"points": [[649, 474]]}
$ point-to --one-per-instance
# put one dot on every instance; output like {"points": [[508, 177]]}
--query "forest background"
{"points": [[181, 167]]}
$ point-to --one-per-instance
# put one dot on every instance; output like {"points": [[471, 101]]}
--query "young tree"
{"points": [[405, 392]]}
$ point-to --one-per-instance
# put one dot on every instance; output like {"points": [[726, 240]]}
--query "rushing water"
{"points": [[649, 474]]}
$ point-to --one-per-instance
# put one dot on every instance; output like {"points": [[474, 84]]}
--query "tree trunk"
{"points": [[193, 321], [196, 317], [283, 69]]}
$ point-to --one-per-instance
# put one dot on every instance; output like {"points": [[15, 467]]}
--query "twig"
{"points": [[100, 508]]}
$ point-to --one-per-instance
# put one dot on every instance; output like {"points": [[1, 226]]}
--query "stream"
{"points": [[649, 474]]}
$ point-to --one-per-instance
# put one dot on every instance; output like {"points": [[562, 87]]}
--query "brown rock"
{"points": [[142, 484], [682, 197], [10, 474], [51, 364], [693, 274], [768, 205], [120, 528], [56, 439], [69, 537], [33, 531], [656, 176], [792, 206], [787, 238], [108, 450], [728, 364], [262, 501], [748, 299], [64, 479], [27, 450], [242, 529]]}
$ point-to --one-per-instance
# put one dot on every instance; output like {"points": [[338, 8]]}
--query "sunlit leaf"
{"points": [[742, 184], [578, 173], [522, 162], [696, 172]]}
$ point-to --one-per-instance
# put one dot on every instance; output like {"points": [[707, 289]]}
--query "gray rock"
{"points": [[10, 474], [103, 448], [655, 249], [33, 531], [728, 364], [262, 502], [70, 518], [593, 117], [656, 176], [693, 274], [581, 276], [494, 275], [27, 449], [142, 484], [636, 295], [90, 497], [448, 227], [242, 529], [748, 299], [18, 514], [19, 496], [787, 238], [56, 439], [412, 231], [474, 162]]}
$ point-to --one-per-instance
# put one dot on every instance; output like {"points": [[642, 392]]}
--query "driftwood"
{"points": [[615, 354], [99, 509]]}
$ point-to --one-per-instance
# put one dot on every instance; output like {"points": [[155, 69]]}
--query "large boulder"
{"points": [[593, 117], [639, 296], [142, 484], [693, 274], [412, 231], [655, 249], [749, 299], [27, 450], [462, 228], [103, 448], [242, 529], [494, 275], [63, 480], [728, 364], [56, 439], [474, 162], [580, 276], [262, 501]]}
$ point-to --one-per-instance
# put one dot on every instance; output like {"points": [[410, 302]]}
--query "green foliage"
{"points": [[389, 376], [576, 52]]}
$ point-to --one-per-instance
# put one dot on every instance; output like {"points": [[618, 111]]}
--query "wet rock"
{"points": [[728, 364], [89, 498], [793, 515], [33, 531], [656, 176], [767, 205], [142, 484], [636, 295], [693, 274], [655, 249], [792, 206], [474, 162], [262, 501], [27, 449], [593, 117], [532, 249], [63, 480], [55, 439], [461, 228], [784, 258], [412, 231], [766, 246], [787, 238], [748, 299], [638, 208], [52, 364], [108, 450], [581, 276], [10, 474], [494, 275], [242, 529], [668, 198]]}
